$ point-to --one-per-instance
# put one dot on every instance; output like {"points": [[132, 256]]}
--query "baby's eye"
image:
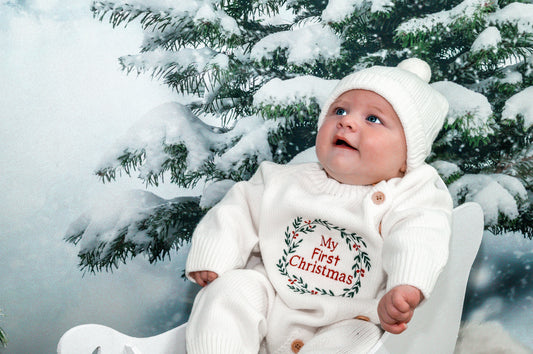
{"points": [[340, 111], [373, 119]]}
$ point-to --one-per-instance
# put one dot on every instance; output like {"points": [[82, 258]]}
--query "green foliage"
{"points": [[522, 224]]}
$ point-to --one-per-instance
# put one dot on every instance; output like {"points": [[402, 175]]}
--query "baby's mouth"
{"points": [[340, 142]]}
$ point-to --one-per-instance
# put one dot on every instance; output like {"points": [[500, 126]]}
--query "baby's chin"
{"points": [[346, 178], [358, 180]]}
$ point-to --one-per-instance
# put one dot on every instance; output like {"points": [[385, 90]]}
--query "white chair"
{"points": [[433, 329], [98, 339]]}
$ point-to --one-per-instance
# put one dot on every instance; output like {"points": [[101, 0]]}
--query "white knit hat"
{"points": [[421, 108]]}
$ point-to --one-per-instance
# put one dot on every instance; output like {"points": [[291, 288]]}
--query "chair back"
{"points": [[435, 324]]}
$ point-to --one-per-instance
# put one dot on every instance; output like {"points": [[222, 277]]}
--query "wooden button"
{"points": [[363, 318], [296, 345], [378, 198]]}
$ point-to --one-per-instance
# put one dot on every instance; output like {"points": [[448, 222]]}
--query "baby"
{"points": [[321, 257]]}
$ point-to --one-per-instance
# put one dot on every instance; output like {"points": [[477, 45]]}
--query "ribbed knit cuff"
{"points": [[214, 344], [214, 255], [421, 272]]}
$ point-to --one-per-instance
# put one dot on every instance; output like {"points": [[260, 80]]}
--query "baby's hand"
{"points": [[396, 308], [203, 277]]}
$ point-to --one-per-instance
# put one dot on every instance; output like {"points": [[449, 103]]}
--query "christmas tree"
{"points": [[251, 76]]}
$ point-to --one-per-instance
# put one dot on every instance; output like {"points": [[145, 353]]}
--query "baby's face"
{"points": [[361, 140]]}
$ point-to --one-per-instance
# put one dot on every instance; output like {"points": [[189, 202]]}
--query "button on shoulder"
{"points": [[296, 345], [378, 197]]}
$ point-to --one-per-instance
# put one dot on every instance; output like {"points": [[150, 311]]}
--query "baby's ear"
{"points": [[404, 167]]}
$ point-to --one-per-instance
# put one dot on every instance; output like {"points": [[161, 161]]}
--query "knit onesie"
{"points": [[317, 252]]}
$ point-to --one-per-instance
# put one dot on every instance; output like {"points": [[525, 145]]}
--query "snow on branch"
{"points": [[516, 13], [470, 111], [168, 124], [282, 17], [338, 10], [123, 225], [171, 132], [108, 217], [304, 45], [253, 143], [160, 14], [521, 104], [162, 62], [214, 192], [207, 13], [302, 89], [466, 10], [446, 169], [488, 39], [497, 194]]}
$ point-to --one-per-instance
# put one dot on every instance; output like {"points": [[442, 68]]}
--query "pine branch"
{"points": [[186, 30], [167, 228], [522, 224], [522, 168], [245, 11], [129, 161]]}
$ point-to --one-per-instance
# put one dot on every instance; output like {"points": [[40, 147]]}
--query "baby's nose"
{"points": [[347, 122]]}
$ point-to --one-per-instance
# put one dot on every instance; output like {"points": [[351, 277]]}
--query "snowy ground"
{"points": [[63, 102], [500, 289]]}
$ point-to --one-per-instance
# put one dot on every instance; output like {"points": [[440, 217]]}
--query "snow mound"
{"points": [[487, 337]]}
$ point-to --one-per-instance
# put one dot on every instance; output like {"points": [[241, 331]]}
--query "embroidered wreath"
{"points": [[293, 239]]}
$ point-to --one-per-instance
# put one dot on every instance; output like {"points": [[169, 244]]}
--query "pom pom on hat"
{"points": [[421, 108], [418, 67]]}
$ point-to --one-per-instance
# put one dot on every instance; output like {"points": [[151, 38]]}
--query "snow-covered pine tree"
{"points": [[252, 74]]}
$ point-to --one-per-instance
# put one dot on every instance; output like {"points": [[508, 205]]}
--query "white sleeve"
{"points": [[416, 232], [227, 234]]}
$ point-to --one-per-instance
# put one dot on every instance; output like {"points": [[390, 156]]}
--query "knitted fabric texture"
{"points": [[420, 107]]}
